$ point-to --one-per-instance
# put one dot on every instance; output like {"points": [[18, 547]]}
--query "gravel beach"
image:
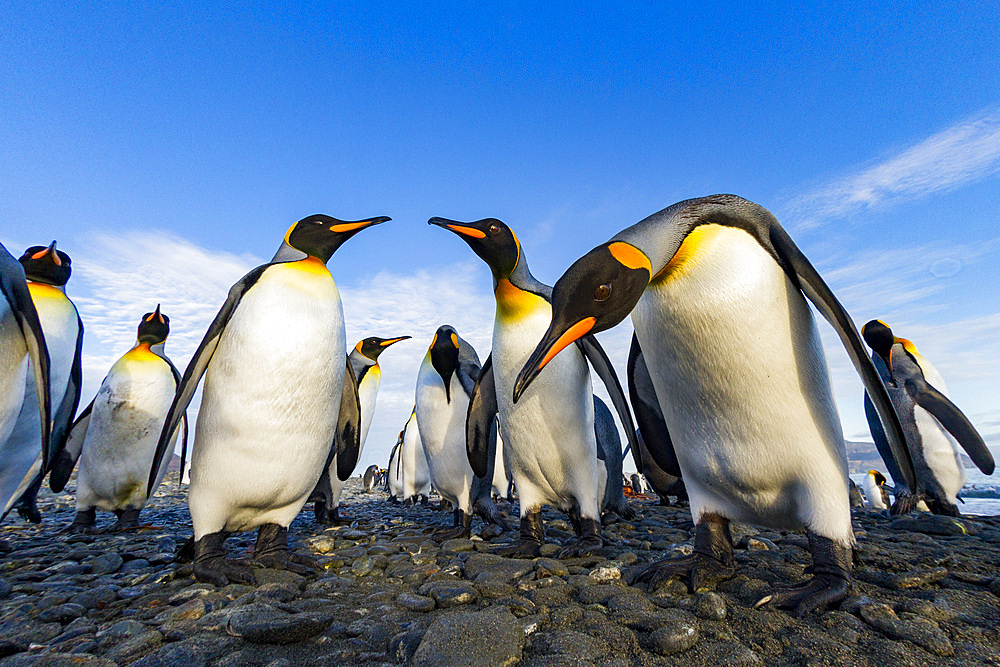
{"points": [[927, 591]]}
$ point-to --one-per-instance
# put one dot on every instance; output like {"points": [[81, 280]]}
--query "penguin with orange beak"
{"points": [[48, 270], [364, 362], [717, 292], [278, 391]]}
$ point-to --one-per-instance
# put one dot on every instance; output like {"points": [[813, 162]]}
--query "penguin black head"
{"points": [[879, 477], [373, 346], [154, 327], [46, 265], [320, 235], [444, 355], [491, 239], [597, 292], [879, 337]]}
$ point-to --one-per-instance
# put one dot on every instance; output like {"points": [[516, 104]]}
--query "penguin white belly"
{"points": [[61, 327], [125, 424], [873, 493], [416, 475], [499, 470], [270, 403], [442, 432], [367, 392], [942, 453], [549, 433], [13, 370], [396, 476], [741, 378]]}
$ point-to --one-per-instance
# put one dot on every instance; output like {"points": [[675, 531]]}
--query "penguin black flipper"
{"points": [[881, 443], [199, 363], [14, 286], [595, 354], [65, 461], [348, 440], [805, 276], [62, 420], [954, 420], [184, 420], [654, 430], [480, 419]]}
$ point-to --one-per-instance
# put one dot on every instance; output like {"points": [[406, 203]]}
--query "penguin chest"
{"points": [[941, 453], [416, 476], [13, 370], [441, 423], [125, 423], [550, 430], [367, 393], [741, 379], [272, 390], [61, 326]]}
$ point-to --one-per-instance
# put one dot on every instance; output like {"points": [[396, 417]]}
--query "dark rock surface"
{"points": [[926, 592]]}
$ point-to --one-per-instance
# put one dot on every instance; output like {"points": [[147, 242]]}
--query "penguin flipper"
{"points": [[881, 443], [652, 426], [347, 442], [62, 420], [805, 275], [954, 420], [480, 419], [199, 364], [65, 461], [595, 354], [14, 286]]}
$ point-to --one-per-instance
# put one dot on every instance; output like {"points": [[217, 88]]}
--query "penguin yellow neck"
{"points": [[141, 352], [513, 302], [699, 240], [311, 265], [44, 291]]}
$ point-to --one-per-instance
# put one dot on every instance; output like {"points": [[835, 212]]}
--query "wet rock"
{"points": [[918, 630], [917, 578], [262, 624], [710, 605], [415, 602], [107, 563], [458, 544], [362, 566], [458, 639], [572, 645], [135, 647], [450, 593], [63, 613], [496, 568], [550, 567], [932, 524], [674, 636], [96, 598]]}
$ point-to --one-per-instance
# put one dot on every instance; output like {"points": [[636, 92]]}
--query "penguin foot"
{"points": [[711, 562], [520, 549], [272, 551], [5, 547], [127, 520], [463, 527], [83, 523], [589, 546], [818, 593], [29, 511], [319, 512], [212, 567], [529, 543], [904, 503]]}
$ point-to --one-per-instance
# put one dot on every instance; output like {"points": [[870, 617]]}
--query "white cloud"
{"points": [[966, 152]]}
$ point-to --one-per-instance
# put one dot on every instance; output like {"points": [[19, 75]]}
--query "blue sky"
{"points": [[168, 149]]}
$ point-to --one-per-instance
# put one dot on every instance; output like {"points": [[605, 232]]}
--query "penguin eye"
{"points": [[494, 228], [602, 292]]}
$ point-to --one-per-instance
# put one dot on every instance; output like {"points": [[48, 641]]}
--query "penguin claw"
{"points": [[817, 593], [222, 571], [704, 571], [288, 560], [451, 533], [520, 549], [584, 547]]}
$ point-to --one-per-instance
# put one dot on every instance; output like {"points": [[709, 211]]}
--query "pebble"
{"points": [[918, 630], [450, 593], [675, 636], [710, 606], [415, 602]]}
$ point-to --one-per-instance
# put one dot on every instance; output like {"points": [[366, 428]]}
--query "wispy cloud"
{"points": [[966, 152]]}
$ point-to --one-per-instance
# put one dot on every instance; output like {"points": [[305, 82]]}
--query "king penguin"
{"points": [[394, 473], [875, 490], [370, 477], [24, 370], [278, 391], [445, 384], [47, 271], [116, 435], [934, 426], [715, 289], [553, 448], [364, 362], [413, 461]]}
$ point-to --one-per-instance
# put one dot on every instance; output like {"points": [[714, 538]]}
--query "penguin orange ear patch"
{"points": [[630, 256]]}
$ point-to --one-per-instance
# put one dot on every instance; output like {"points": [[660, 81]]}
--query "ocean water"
{"points": [[980, 493]]}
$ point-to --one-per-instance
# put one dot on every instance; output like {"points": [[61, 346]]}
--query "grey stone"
{"points": [[261, 624], [415, 602], [450, 593], [107, 563], [917, 578], [63, 613], [135, 647], [710, 605], [918, 630], [98, 597], [675, 636], [459, 638], [496, 567]]}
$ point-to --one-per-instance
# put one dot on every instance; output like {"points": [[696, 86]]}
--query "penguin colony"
{"points": [[746, 433]]}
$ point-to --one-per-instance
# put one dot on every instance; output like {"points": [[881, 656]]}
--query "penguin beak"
{"points": [[460, 228], [556, 339], [392, 341], [51, 252], [158, 315], [352, 227]]}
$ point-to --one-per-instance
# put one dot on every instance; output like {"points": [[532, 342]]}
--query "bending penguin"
{"points": [[370, 477], [278, 391], [934, 426], [24, 380], [554, 453], [364, 362], [876, 490], [47, 271], [115, 436], [715, 288], [413, 460], [445, 384]]}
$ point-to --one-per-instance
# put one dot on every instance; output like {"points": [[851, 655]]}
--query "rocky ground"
{"points": [[927, 591]]}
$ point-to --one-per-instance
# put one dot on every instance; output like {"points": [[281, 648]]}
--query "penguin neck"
{"points": [[38, 288], [519, 294], [287, 253], [146, 351]]}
